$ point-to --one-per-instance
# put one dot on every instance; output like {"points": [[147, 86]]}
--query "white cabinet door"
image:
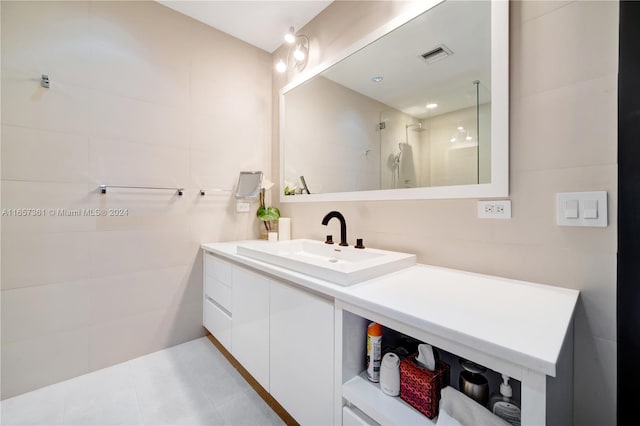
{"points": [[250, 326], [302, 354]]}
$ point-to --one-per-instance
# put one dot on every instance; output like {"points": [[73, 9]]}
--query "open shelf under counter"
{"points": [[384, 409]]}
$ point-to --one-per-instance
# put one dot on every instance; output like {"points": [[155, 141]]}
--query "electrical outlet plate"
{"points": [[242, 207], [496, 209]]}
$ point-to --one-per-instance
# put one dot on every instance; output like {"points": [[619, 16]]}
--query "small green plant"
{"points": [[289, 188], [267, 214]]}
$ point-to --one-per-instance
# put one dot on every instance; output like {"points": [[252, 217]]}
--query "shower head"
{"points": [[418, 129]]}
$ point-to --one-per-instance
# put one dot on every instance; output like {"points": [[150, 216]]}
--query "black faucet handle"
{"points": [[329, 240], [359, 244]]}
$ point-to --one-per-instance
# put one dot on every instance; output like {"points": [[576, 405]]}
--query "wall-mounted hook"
{"points": [[44, 81]]}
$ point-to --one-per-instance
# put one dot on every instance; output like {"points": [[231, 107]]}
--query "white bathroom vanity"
{"points": [[303, 339]]}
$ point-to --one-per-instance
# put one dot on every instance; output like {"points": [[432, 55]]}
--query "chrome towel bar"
{"points": [[103, 188]]}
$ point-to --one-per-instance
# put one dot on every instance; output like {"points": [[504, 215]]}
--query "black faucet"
{"points": [[343, 225]]}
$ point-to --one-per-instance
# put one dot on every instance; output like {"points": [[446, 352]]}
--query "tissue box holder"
{"points": [[420, 387]]}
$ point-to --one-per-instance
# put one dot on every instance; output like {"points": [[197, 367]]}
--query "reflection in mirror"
{"points": [[451, 148], [413, 109], [249, 184]]}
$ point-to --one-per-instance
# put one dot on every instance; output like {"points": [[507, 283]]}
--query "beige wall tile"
{"points": [[123, 339], [44, 258], [119, 252], [132, 82], [575, 43], [34, 363], [63, 107], [180, 324], [153, 215], [219, 225], [575, 125], [42, 37], [122, 73], [47, 156], [145, 29], [246, 70], [63, 207], [231, 104], [525, 10], [140, 59], [229, 159], [126, 119], [130, 337], [118, 296], [40, 311], [117, 162]]}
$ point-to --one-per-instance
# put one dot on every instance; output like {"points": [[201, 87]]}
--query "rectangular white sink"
{"points": [[330, 262]]}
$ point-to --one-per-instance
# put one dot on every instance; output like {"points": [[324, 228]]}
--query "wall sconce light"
{"points": [[460, 135], [298, 53]]}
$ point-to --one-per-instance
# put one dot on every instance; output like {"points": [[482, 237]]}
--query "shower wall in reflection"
{"points": [[331, 138], [451, 148], [341, 141]]}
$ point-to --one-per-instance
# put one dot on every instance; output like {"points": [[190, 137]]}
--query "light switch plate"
{"points": [[592, 209]]}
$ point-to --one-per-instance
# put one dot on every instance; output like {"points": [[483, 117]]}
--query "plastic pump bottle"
{"points": [[503, 406]]}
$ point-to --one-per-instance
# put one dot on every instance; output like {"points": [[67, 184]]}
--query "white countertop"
{"points": [[519, 321]]}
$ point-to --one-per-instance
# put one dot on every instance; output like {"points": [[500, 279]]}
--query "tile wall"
{"points": [[138, 96]]}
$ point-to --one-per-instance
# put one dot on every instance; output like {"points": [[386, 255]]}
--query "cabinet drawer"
{"points": [[217, 269], [219, 292], [218, 323], [355, 417]]}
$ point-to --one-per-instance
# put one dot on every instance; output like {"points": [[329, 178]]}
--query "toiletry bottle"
{"points": [[503, 406], [374, 351]]}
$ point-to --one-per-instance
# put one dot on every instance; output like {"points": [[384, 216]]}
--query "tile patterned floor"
{"points": [[188, 384]]}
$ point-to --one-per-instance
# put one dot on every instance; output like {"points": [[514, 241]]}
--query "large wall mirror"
{"points": [[418, 109]]}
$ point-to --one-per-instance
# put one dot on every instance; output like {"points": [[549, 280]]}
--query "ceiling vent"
{"points": [[436, 54]]}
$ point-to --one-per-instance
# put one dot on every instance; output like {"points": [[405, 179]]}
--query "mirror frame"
{"points": [[499, 186]]}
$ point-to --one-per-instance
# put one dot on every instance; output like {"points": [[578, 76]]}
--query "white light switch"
{"points": [[582, 209], [590, 209], [571, 209]]}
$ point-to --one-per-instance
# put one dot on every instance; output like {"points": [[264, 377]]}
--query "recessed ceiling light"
{"points": [[432, 106], [452, 140], [377, 79], [460, 128]]}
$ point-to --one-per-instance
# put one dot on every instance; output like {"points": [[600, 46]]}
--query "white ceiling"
{"points": [[409, 83], [260, 23]]}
